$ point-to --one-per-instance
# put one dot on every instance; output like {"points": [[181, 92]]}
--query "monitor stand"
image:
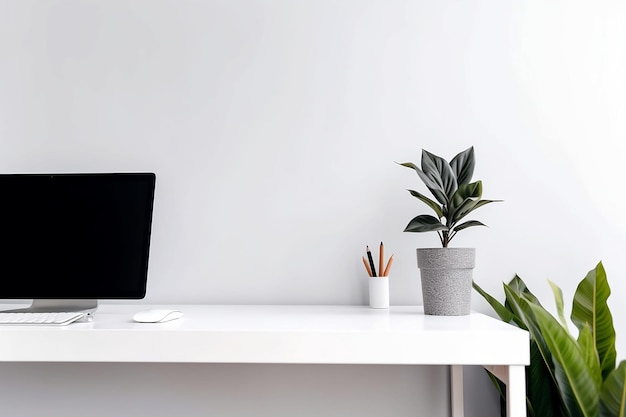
{"points": [[51, 306]]}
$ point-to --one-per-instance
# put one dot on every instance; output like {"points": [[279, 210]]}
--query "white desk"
{"points": [[287, 335]]}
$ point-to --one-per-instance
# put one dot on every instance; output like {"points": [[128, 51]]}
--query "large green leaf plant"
{"points": [[569, 375], [455, 195]]}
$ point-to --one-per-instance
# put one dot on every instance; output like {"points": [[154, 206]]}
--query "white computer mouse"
{"points": [[157, 315]]}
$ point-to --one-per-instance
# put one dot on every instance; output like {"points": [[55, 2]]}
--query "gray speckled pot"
{"points": [[446, 280]]}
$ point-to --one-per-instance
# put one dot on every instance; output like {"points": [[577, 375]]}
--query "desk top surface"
{"points": [[272, 334]]}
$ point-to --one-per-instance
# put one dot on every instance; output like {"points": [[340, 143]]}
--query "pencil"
{"points": [[369, 271], [386, 273], [369, 256], [381, 259]]}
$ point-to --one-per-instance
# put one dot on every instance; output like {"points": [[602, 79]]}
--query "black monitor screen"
{"points": [[75, 236]]}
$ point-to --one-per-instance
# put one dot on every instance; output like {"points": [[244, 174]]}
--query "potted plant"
{"points": [[446, 273], [570, 373]]}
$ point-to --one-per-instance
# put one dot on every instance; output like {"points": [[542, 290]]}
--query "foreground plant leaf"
{"points": [[520, 305], [587, 347], [590, 308], [613, 394], [543, 395], [577, 371], [504, 313], [578, 387], [558, 300], [518, 286]]}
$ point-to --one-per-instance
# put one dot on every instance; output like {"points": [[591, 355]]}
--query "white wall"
{"points": [[273, 127]]}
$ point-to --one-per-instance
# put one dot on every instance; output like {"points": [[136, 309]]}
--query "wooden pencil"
{"points": [[386, 273], [369, 271], [381, 259]]}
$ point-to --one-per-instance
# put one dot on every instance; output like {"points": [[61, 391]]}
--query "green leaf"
{"points": [[468, 206], [409, 165], [562, 366], [466, 193], [542, 391], [469, 190], [504, 313], [613, 393], [520, 288], [435, 187], [590, 308], [501, 388], [543, 396], [467, 224], [425, 223], [573, 376], [520, 304], [463, 166], [433, 205], [525, 319], [438, 170], [588, 349], [467, 199], [558, 300], [481, 203]]}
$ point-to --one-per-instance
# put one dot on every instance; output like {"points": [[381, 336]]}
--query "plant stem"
{"points": [[446, 238]]}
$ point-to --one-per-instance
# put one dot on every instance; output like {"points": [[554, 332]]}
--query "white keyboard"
{"points": [[40, 318]]}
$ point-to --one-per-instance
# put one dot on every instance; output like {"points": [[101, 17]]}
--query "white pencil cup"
{"points": [[379, 292]]}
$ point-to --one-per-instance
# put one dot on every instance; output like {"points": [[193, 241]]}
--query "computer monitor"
{"points": [[69, 240]]}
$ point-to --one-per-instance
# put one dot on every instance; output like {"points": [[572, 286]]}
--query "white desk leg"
{"points": [[516, 392], [456, 390], [514, 376]]}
